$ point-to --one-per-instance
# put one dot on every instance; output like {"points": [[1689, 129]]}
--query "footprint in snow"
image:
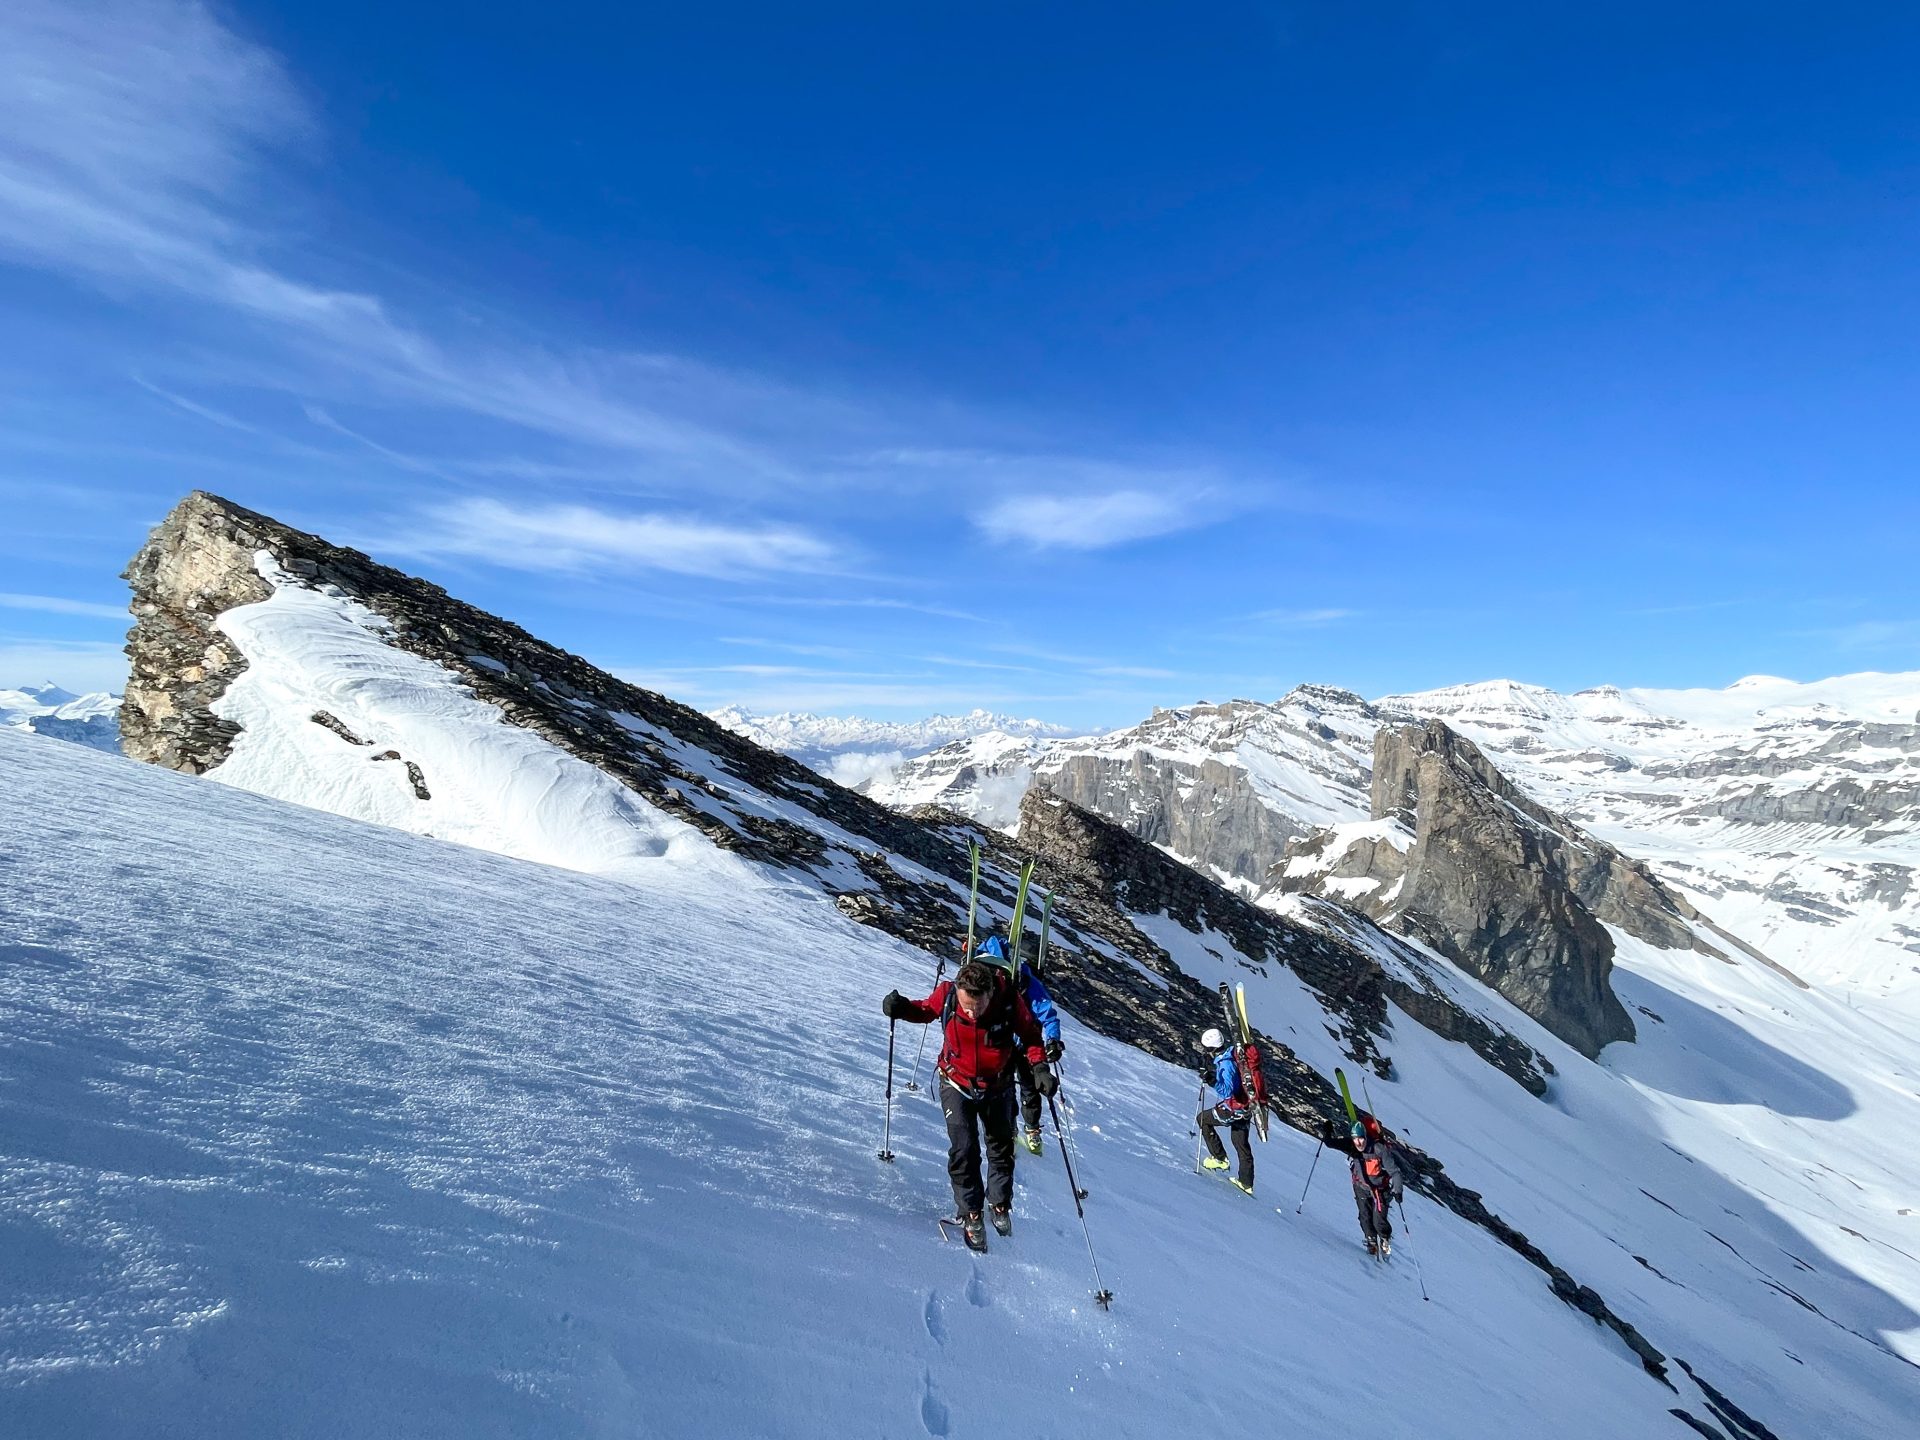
{"points": [[936, 1325], [977, 1289], [933, 1410]]}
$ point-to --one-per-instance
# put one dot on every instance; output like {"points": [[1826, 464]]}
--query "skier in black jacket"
{"points": [[1377, 1181]]}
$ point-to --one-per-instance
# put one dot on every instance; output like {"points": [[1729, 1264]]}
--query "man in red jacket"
{"points": [[987, 1025]]}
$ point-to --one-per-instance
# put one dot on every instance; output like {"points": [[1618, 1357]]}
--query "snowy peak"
{"points": [[46, 709]]}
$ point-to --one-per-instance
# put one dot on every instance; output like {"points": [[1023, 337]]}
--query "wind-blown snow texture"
{"points": [[312, 1128]]}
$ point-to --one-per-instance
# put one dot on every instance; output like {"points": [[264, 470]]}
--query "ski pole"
{"points": [[1100, 1291], [913, 1075], [1310, 1169], [886, 1138], [1416, 1254], [1199, 1100], [1066, 1143]]}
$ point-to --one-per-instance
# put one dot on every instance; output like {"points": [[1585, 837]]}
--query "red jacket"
{"points": [[978, 1057]]}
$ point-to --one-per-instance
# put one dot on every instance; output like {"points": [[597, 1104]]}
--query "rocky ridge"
{"points": [[899, 873]]}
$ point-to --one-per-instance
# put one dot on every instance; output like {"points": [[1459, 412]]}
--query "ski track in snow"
{"points": [[314, 1128]]}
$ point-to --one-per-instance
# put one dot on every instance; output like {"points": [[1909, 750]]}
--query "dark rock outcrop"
{"points": [[1512, 892]]}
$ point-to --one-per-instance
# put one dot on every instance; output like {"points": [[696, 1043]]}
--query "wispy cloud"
{"points": [[1302, 619], [54, 605], [867, 602], [575, 538], [1873, 635], [1093, 521], [787, 647]]}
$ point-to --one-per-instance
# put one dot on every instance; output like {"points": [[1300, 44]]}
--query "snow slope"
{"points": [[315, 1128]]}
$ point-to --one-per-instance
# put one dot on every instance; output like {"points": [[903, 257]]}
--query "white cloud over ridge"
{"points": [[580, 538], [1094, 521]]}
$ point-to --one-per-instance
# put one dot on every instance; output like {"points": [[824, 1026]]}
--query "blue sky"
{"points": [[1065, 359]]}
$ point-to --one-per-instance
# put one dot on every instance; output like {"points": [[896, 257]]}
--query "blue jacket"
{"points": [[1038, 1000], [1226, 1081], [1040, 1003]]}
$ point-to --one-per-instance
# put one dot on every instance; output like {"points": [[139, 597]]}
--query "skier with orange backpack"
{"points": [[1377, 1181]]}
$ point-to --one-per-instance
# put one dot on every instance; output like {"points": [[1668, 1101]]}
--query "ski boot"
{"points": [[1031, 1139], [1213, 1164], [974, 1232], [1242, 1186], [1002, 1218], [1373, 1246], [1386, 1246]]}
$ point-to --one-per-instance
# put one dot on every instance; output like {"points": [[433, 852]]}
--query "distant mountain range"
{"points": [[855, 752], [48, 710]]}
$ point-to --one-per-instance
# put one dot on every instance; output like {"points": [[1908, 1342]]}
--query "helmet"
{"points": [[1357, 1130], [1213, 1040]]}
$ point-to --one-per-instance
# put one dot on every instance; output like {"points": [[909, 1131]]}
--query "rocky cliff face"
{"points": [[1228, 786], [197, 565], [1510, 891]]}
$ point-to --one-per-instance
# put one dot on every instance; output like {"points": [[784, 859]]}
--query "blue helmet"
{"points": [[991, 948]]}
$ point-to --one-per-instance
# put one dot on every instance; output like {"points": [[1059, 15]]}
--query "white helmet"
{"points": [[1213, 1040]]}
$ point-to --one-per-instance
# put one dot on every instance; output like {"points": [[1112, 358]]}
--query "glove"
{"points": [[1055, 1050], [1329, 1135], [894, 1006], [1045, 1081]]}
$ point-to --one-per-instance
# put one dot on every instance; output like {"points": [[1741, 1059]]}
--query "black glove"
{"points": [[1045, 1081], [1055, 1050], [1328, 1134], [895, 1005]]}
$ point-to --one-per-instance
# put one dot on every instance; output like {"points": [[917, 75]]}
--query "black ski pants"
{"points": [[1210, 1121], [967, 1117], [1029, 1097], [1375, 1221]]}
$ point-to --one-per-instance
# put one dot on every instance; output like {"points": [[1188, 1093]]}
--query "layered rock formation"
{"points": [[1512, 892]]}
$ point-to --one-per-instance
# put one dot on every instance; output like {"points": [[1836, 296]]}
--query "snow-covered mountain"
{"points": [[569, 1128], [48, 710], [861, 753], [1788, 812]]}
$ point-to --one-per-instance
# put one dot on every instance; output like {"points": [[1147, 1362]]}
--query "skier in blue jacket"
{"points": [[993, 951], [1230, 1108]]}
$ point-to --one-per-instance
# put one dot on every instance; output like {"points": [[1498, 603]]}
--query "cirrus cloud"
{"points": [[582, 537], [1095, 521]]}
